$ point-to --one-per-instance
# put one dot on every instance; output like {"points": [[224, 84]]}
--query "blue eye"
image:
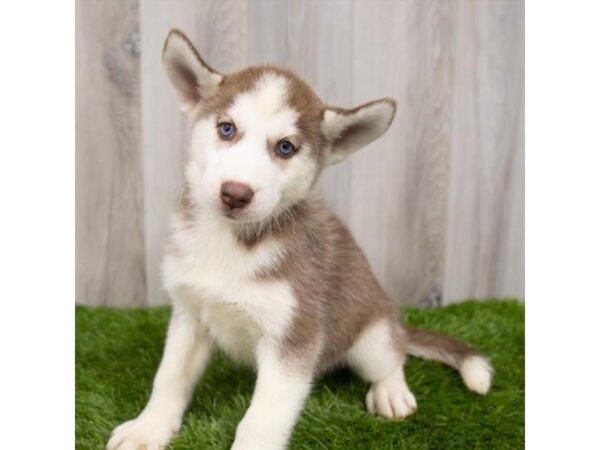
{"points": [[226, 130], [285, 149]]}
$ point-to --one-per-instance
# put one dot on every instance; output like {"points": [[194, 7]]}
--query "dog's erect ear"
{"points": [[348, 130], [192, 77]]}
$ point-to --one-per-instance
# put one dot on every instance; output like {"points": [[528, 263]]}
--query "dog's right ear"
{"points": [[192, 77]]}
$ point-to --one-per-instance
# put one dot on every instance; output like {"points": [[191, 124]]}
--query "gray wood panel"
{"points": [[437, 204], [485, 233], [164, 132], [109, 188], [404, 50]]}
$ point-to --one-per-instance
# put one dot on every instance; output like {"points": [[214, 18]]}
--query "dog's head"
{"points": [[260, 136]]}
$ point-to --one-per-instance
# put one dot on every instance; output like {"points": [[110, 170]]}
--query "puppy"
{"points": [[260, 267]]}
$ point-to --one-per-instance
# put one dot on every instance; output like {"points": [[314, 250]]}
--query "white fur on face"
{"points": [[263, 118]]}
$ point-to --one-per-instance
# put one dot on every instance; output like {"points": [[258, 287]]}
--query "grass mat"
{"points": [[118, 352]]}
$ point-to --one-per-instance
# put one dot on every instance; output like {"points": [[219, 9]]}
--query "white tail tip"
{"points": [[476, 372]]}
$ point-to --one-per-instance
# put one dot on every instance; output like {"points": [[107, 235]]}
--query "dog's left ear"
{"points": [[348, 130], [192, 77]]}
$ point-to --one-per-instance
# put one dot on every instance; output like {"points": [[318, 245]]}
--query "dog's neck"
{"points": [[284, 223]]}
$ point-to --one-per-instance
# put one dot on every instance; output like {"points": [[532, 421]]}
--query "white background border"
{"points": [[562, 224], [37, 106]]}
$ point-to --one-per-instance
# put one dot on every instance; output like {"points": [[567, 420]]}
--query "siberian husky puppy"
{"points": [[258, 266]]}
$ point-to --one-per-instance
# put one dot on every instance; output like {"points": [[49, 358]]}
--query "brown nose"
{"points": [[236, 195]]}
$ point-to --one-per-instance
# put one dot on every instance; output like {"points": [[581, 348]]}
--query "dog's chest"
{"points": [[234, 330], [222, 282]]}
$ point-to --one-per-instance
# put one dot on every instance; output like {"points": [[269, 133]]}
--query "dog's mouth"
{"points": [[232, 214], [240, 215]]}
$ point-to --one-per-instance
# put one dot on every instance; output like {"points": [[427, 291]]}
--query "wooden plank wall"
{"points": [[110, 246], [437, 204]]}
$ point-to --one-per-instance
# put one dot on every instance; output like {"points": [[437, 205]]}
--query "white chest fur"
{"points": [[214, 276]]}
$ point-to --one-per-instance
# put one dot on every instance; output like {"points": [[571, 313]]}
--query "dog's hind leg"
{"points": [[378, 357]]}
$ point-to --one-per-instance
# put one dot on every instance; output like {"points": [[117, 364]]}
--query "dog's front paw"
{"points": [[147, 432], [252, 435]]}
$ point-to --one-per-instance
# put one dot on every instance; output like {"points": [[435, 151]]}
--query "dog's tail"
{"points": [[474, 368]]}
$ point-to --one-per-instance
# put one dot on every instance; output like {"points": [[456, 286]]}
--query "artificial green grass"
{"points": [[118, 352]]}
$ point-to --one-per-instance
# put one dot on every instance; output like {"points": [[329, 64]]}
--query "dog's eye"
{"points": [[285, 149], [226, 130]]}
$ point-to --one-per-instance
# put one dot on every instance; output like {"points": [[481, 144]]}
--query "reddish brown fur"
{"points": [[431, 345], [339, 296], [337, 293]]}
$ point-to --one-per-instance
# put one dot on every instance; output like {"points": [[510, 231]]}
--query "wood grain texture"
{"points": [[485, 233], [399, 183], [109, 188], [437, 203]]}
